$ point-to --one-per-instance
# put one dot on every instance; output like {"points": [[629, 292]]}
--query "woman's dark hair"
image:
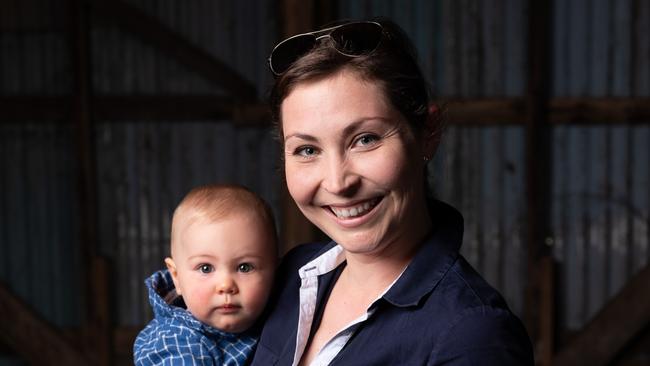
{"points": [[393, 65]]}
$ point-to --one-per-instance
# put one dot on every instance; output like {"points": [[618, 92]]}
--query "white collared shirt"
{"points": [[309, 273]]}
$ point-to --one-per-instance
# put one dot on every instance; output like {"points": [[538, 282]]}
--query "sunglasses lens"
{"points": [[352, 39], [356, 39], [289, 51]]}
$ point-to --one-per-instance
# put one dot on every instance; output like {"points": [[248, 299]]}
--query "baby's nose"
{"points": [[227, 286]]}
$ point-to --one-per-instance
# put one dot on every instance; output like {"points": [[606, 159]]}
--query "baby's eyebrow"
{"points": [[201, 256], [249, 256]]}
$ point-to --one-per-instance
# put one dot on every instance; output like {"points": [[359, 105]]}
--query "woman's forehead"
{"points": [[342, 93]]}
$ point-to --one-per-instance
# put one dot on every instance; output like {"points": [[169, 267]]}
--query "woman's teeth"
{"points": [[355, 211]]}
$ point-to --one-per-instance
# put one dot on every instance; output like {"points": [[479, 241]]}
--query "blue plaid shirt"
{"points": [[175, 337]]}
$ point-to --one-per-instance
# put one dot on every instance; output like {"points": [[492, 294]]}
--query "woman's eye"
{"points": [[367, 140], [205, 268], [306, 151], [245, 267]]}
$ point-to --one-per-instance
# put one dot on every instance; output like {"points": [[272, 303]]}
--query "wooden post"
{"points": [[623, 318], [539, 311], [32, 338], [547, 311], [131, 19], [297, 17], [97, 327]]}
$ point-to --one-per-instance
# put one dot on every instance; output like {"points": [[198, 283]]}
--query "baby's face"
{"points": [[224, 270]]}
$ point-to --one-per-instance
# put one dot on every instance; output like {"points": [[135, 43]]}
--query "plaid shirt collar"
{"points": [[167, 304]]}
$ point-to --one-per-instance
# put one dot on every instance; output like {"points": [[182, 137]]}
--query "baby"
{"points": [[218, 279]]}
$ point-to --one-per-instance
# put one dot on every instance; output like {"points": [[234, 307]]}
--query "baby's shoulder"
{"points": [[170, 339]]}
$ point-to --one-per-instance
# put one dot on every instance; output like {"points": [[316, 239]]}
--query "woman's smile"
{"points": [[352, 165], [345, 212]]}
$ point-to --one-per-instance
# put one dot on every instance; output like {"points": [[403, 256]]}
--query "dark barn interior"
{"points": [[111, 110]]}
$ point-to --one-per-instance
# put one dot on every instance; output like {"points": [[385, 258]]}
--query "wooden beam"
{"points": [[635, 352], [487, 111], [123, 339], [458, 112], [588, 111], [100, 323], [34, 108], [560, 111], [33, 338], [617, 323], [538, 184], [547, 320], [297, 16], [511, 111], [640, 362], [324, 12], [14, 109], [163, 108], [156, 33], [95, 282]]}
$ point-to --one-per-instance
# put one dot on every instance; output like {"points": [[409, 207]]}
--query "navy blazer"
{"points": [[440, 311]]}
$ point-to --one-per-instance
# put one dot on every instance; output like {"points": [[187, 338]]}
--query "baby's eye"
{"points": [[367, 139], [245, 267], [205, 268]]}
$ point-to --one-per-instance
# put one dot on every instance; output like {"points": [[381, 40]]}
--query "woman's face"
{"points": [[353, 166]]}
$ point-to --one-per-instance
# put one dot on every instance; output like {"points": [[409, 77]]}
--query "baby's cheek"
{"points": [[257, 298], [197, 298]]}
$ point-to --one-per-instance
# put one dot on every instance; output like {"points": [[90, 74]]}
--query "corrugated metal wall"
{"points": [[145, 168], [38, 219], [601, 199], [39, 254], [468, 48], [33, 48], [239, 33]]}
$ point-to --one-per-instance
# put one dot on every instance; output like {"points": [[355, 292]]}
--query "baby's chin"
{"points": [[232, 327]]}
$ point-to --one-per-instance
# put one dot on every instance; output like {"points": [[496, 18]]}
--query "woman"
{"points": [[390, 289]]}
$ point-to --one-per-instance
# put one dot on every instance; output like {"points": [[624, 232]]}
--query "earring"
{"points": [[425, 158]]}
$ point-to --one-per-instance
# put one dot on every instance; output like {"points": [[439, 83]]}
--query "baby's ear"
{"points": [[171, 266]]}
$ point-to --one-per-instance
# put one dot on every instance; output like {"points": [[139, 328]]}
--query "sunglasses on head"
{"points": [[350, 39]]}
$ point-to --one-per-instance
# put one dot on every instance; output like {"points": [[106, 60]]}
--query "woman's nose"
{"points": [[339, 177], [226, 285]]}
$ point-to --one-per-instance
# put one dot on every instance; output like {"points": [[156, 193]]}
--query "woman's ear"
{"points": [[432, 132], [171, 266]]}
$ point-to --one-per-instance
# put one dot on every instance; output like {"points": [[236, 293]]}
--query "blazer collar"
{"points": [[435, 257]]}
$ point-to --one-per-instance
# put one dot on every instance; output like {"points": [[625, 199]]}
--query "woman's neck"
{"points": [[379, 270]]}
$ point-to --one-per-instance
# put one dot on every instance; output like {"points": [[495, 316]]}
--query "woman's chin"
{"points": [[359, 242]]}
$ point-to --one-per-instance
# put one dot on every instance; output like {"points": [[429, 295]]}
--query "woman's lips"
{"points": [[357, 210]]}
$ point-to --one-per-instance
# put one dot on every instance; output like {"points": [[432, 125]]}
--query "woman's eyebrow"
{"points": [[360, 123], [301, 136], [347, 130]]}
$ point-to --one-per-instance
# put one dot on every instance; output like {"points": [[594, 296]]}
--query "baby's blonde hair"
{"points": [[216, 202]]}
